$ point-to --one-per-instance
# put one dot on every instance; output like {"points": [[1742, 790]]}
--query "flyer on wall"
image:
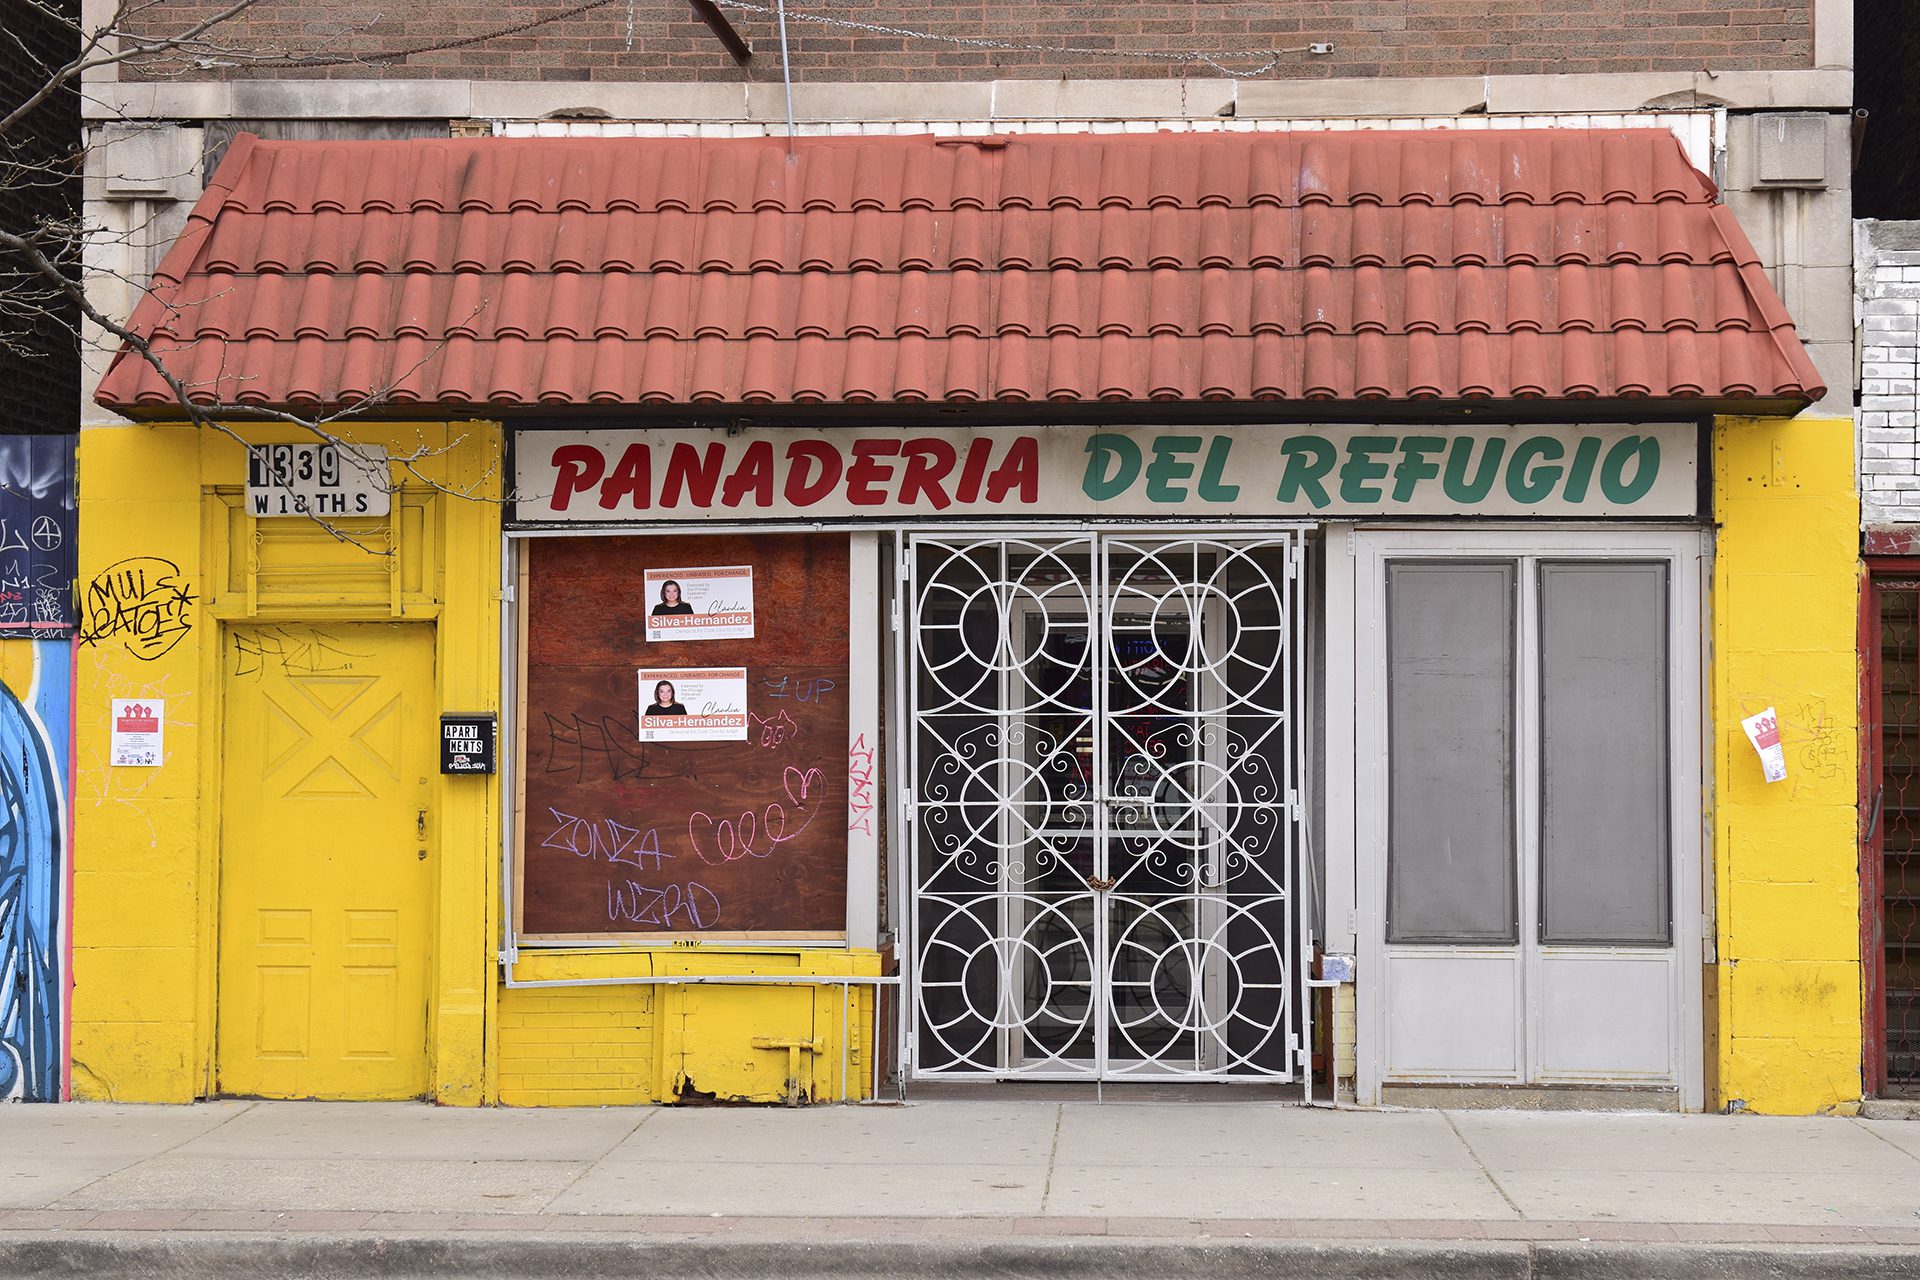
{"points": [[714, 603], [139, 733], [684, 705]]}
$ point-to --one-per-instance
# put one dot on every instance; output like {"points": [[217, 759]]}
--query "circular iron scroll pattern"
{"points": [[1195, 939]]}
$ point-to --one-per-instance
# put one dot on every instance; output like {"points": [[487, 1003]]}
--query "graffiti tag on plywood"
{"points": [[36, 536]]}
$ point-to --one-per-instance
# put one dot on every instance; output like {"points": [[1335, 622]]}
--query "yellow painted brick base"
{"points": [[1346, 1026], [610, 1045], [577, 1046], [1786, 888]]}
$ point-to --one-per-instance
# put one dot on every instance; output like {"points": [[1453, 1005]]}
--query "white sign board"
{"points": [[139, 733], [689, 705], [1333, 471], [328, 481], [700, 604]]}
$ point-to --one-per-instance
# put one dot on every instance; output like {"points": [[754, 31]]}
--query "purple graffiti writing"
{"points": [[692, 905], [606, 839]]}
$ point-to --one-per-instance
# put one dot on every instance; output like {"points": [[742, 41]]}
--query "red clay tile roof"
{"points": [[1368, 266]]}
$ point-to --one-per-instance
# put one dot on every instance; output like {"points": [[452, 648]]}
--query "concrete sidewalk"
{"points": [[844, 1190]]}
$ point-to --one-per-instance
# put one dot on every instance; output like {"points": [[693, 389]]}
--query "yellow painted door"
{"points": [[325, 926]]}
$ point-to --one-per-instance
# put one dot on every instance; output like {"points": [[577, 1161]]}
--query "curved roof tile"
{"points": [[1387, 266]]}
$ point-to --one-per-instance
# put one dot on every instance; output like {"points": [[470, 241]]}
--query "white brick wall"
{"points": [[1887, 278]]}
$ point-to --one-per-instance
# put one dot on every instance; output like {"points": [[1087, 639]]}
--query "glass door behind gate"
{"points": [[1104, 804]]}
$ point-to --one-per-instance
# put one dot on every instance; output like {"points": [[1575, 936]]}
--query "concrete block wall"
{"points": [[1786, 862], [1887, 282]]}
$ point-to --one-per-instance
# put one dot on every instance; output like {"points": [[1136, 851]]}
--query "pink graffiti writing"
{"points": [[860, 786], [756, 833], [774, 731]]}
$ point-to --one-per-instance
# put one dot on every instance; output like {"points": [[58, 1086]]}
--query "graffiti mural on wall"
{"points": [[37, 536], [37, 563], [35, 702]]}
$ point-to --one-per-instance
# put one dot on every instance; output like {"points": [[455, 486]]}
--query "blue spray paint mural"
{"points": [[37, 532], [34, 743]]}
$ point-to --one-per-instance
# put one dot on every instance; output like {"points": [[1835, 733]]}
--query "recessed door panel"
{"points": [[1606, 1016], [1450, 1016]]}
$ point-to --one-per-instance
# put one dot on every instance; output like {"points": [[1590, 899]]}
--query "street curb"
{"points": [[218, 1256]]}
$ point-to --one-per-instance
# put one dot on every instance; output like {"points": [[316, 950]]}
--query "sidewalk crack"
{"points": [[1053, 1156], [589, 1166], [136, 1161], [1859, 1122], [1481, 1165]]}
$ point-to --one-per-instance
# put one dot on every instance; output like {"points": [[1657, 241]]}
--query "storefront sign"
{"points": [[468, 743], [700, 604], [693, 706], [139, 733], [323, 480], [1560, 471]]}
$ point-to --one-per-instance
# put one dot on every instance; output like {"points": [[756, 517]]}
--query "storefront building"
{"points": [[805, 618]]}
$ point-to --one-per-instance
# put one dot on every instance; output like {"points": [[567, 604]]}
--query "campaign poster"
{"points": [[713, 603], [139, 728], [679, 704]]}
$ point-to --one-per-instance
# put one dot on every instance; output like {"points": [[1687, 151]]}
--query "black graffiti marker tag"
{"points": [[143, 601]]}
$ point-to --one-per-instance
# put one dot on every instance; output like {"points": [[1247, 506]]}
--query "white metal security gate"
{"points": [[1104, 750]]}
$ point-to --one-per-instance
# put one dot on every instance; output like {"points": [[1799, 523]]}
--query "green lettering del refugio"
{"points": [[1378, 470]]}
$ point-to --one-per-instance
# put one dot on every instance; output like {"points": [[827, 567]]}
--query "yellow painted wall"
{"points": [[146, 901], [1786, 881], [146, 840], [614, 1045]]}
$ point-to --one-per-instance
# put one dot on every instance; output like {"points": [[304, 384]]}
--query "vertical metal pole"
{"points": [[1099, 640], [786, 70], [507, 943], [903, 865], [1300, 722]]}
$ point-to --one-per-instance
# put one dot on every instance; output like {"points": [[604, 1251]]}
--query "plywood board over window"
{"points": [[622, 839]]}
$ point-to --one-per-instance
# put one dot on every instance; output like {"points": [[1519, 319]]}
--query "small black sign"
{"points": [[468, 742]]}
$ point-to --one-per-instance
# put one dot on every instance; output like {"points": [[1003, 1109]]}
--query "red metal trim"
{"points": [[1873, 1012], [1881, 571], [1886, 544], [72, 730]]}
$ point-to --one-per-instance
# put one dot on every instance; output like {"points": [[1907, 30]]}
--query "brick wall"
{"points": [[1371, 38], [1888, 274]]}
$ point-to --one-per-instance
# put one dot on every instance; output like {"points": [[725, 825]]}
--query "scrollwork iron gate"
{"points": [[1104, 747]]}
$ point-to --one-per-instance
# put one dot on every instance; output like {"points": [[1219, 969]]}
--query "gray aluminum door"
{"points": [[1103, 806], [1528, 809]]}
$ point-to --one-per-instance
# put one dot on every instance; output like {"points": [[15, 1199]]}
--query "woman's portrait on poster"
{"points": [[666, 702], [671, 605]]}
